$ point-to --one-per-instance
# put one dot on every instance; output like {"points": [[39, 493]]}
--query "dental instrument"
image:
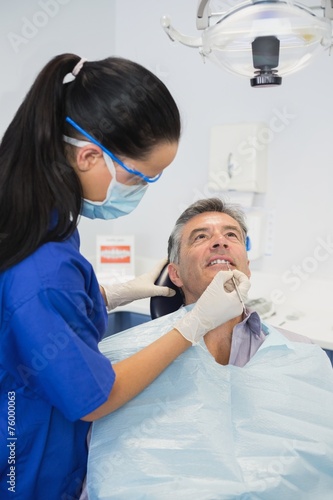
{"points": [[236, 287]]}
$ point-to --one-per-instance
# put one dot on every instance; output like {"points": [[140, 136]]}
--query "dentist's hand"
{"points": [[215, 306], [141, 287], [239, 277]]}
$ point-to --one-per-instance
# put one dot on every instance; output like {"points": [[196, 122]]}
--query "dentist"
{"points": [[90, 146]]}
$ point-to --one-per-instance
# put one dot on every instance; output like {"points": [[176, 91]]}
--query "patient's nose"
{"points": [[219, 241]]}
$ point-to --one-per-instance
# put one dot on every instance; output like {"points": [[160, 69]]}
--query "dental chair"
{"points": [[160, 306]]}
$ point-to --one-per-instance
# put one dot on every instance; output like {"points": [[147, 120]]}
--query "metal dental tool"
{"points": [[236, 288]]}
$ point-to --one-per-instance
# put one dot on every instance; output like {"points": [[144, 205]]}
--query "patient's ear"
{"points": [[174, 275]]}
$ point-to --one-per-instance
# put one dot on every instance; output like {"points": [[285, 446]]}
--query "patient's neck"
{"points": [[218, 341]]}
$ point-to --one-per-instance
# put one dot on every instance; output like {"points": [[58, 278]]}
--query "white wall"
{"points": [[300, 158]]}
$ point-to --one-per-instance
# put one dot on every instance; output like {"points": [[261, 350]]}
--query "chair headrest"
{"points": [[160, 306]]}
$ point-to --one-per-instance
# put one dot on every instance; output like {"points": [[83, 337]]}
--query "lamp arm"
{"points": [[203, 15], [328, 8], [175, 35]]}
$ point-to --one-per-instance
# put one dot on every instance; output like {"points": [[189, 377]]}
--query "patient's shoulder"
{"points": [[294, 337]]}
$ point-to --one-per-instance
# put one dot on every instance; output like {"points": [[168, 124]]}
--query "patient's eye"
{"points": [[232, 235], [200, 236]]}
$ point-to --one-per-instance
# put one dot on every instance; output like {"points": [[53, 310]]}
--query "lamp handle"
{"points": [[203, 14]]}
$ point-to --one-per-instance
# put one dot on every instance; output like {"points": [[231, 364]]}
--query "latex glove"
{"points": [[229, 285], [141, 287], [215, 306]]}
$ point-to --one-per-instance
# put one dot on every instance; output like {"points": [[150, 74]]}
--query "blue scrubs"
{"points": [[52, 316]]}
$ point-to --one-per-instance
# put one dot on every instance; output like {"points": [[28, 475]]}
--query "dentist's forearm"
{"points": [[138, 371]]}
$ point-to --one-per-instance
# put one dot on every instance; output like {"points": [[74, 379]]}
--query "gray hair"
{"points": [[200, 207]]}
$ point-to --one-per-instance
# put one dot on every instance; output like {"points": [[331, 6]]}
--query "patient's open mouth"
{"points": [[219, 261]]}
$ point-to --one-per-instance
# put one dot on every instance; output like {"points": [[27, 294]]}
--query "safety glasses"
{"points": [[114, 157]]}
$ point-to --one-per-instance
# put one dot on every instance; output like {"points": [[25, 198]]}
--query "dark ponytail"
{"points": [[119, 102], [36, 180]]}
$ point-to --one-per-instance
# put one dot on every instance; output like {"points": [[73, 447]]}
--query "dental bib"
{"points": [[211, 432]]}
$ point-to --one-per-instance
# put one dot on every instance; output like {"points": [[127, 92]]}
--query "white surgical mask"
{"points": [[121, 199]]}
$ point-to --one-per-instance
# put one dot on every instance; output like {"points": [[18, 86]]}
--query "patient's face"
{"points": [[207, 239]]}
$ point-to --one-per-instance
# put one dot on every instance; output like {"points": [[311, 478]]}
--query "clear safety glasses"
{"points": [[114, 157]]}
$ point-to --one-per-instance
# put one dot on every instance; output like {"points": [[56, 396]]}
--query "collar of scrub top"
{"points": [[112, 156]]}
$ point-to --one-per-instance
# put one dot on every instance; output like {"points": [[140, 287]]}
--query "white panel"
{"points": [[238, 157]]}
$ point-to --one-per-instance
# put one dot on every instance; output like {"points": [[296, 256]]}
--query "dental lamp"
{"points": [[260, 39]]}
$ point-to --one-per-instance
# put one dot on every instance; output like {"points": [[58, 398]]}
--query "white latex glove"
{"points": [[215, 306], [229, 285], [141, 287]]}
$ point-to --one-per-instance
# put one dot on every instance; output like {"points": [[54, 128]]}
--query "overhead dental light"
{"points": [[260, 39]]}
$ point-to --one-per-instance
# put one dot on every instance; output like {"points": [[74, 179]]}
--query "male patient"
{"points": [[208, 237], [245, 413]]}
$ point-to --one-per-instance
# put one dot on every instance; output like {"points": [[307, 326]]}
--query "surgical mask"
{"points": [[120, 199]]}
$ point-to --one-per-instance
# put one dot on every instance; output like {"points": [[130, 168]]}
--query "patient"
{"points": [[208, 235], [246, 413]]}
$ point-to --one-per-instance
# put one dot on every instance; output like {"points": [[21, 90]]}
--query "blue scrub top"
{"points": [[52, 316]]}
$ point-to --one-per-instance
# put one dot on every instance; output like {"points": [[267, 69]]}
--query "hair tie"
{"points": [[78, 66]]}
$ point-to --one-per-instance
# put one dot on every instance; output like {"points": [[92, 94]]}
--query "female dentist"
{"points": [[90, 146]]}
